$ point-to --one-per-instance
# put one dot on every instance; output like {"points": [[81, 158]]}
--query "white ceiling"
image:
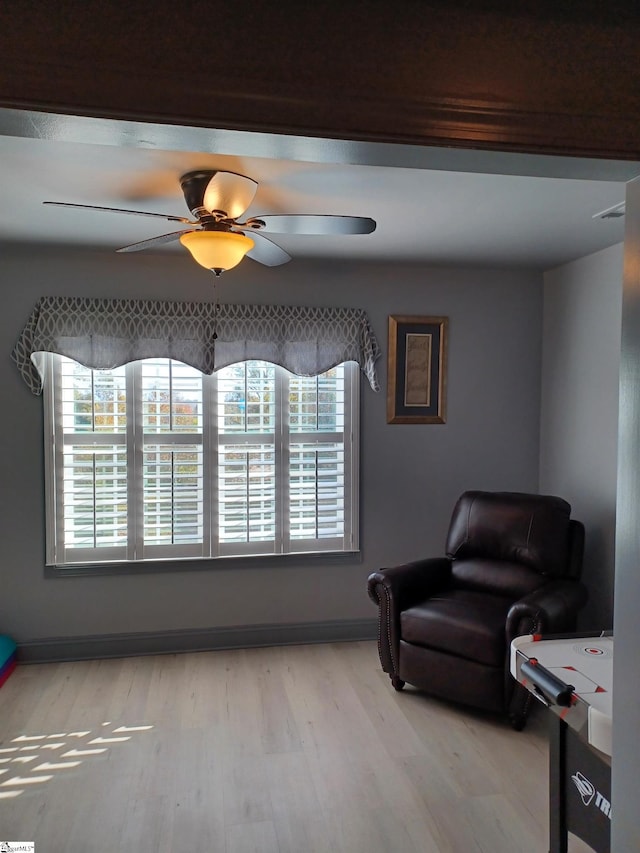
{"points": [[428, 214]]}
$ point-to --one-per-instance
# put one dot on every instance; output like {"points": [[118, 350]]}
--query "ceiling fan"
{"points": [[216, 237]]}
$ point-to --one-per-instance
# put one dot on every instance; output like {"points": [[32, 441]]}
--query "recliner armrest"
{"points": [[397, 588], [411, 582], [551, 609]]}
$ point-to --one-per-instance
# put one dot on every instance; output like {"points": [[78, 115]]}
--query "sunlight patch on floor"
{"points": [[36, 745]]}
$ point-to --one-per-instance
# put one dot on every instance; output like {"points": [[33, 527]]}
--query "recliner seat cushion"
{"points": [[460, 622]]}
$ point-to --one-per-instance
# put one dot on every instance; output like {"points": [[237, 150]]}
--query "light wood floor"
{"points": [[303, 749]]}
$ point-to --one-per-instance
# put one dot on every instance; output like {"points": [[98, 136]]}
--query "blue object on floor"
{"points": [[7, 658]]}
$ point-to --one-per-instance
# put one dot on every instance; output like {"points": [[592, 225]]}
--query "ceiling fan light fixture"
{"points": [[217, 250], [224, 191]]}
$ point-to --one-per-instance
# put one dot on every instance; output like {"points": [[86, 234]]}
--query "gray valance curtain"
{"points": [[106, 333]]}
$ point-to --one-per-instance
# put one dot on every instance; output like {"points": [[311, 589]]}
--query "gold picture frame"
{"points": [[417, 370]]}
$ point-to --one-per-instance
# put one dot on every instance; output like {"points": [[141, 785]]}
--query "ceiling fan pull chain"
{"points": [[216, 309]]}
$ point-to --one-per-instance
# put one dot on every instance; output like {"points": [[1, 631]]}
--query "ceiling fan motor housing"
{"points": [[194, 185]]}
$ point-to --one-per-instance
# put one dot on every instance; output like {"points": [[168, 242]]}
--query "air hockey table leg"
{"points": [[558, 838]]}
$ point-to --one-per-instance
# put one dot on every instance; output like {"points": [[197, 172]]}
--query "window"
{"points": [[155, 460]]}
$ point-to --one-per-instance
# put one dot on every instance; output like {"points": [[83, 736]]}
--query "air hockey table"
{"points": [[573, 677]]}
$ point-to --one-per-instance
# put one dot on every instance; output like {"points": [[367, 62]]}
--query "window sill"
{"points": [[266, 562]]}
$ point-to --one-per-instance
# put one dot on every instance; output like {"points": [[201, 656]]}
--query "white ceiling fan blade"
{"points": [[266, 252], [155, 241], [166, 216], [310, 224]]}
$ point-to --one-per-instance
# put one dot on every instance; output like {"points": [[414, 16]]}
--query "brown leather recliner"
{"points": [[512, 567]]}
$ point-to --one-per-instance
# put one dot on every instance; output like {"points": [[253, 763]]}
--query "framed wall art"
{"points": [[417, 370]]}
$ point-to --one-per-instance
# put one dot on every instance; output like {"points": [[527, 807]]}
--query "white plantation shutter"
{"points": [[246, 497], [90, 494], [171, 406], [319, 459], [316, 490], [156, 461], [246, 477]]}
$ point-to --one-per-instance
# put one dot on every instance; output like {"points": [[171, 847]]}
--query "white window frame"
{"points": [[135, 551]]}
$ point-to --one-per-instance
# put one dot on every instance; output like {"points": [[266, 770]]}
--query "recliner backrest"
{"points": [[533, 530]]}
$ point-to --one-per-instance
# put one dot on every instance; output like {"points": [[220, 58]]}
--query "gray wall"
{"points": [[579, 412], [410, 475], [626, 708]]}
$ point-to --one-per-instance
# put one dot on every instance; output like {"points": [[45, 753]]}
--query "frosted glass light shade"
{"points": [[217, 250]]}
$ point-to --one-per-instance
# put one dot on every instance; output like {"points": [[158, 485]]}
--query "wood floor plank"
{"points": [[129, 694], [379, 830], [496, 826], [246, 790], [294, 801], [203, 702], [329, 714], [449, 738], [243, 705], [279, 729], [252, 838], [379, 703], [196, 793]]}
